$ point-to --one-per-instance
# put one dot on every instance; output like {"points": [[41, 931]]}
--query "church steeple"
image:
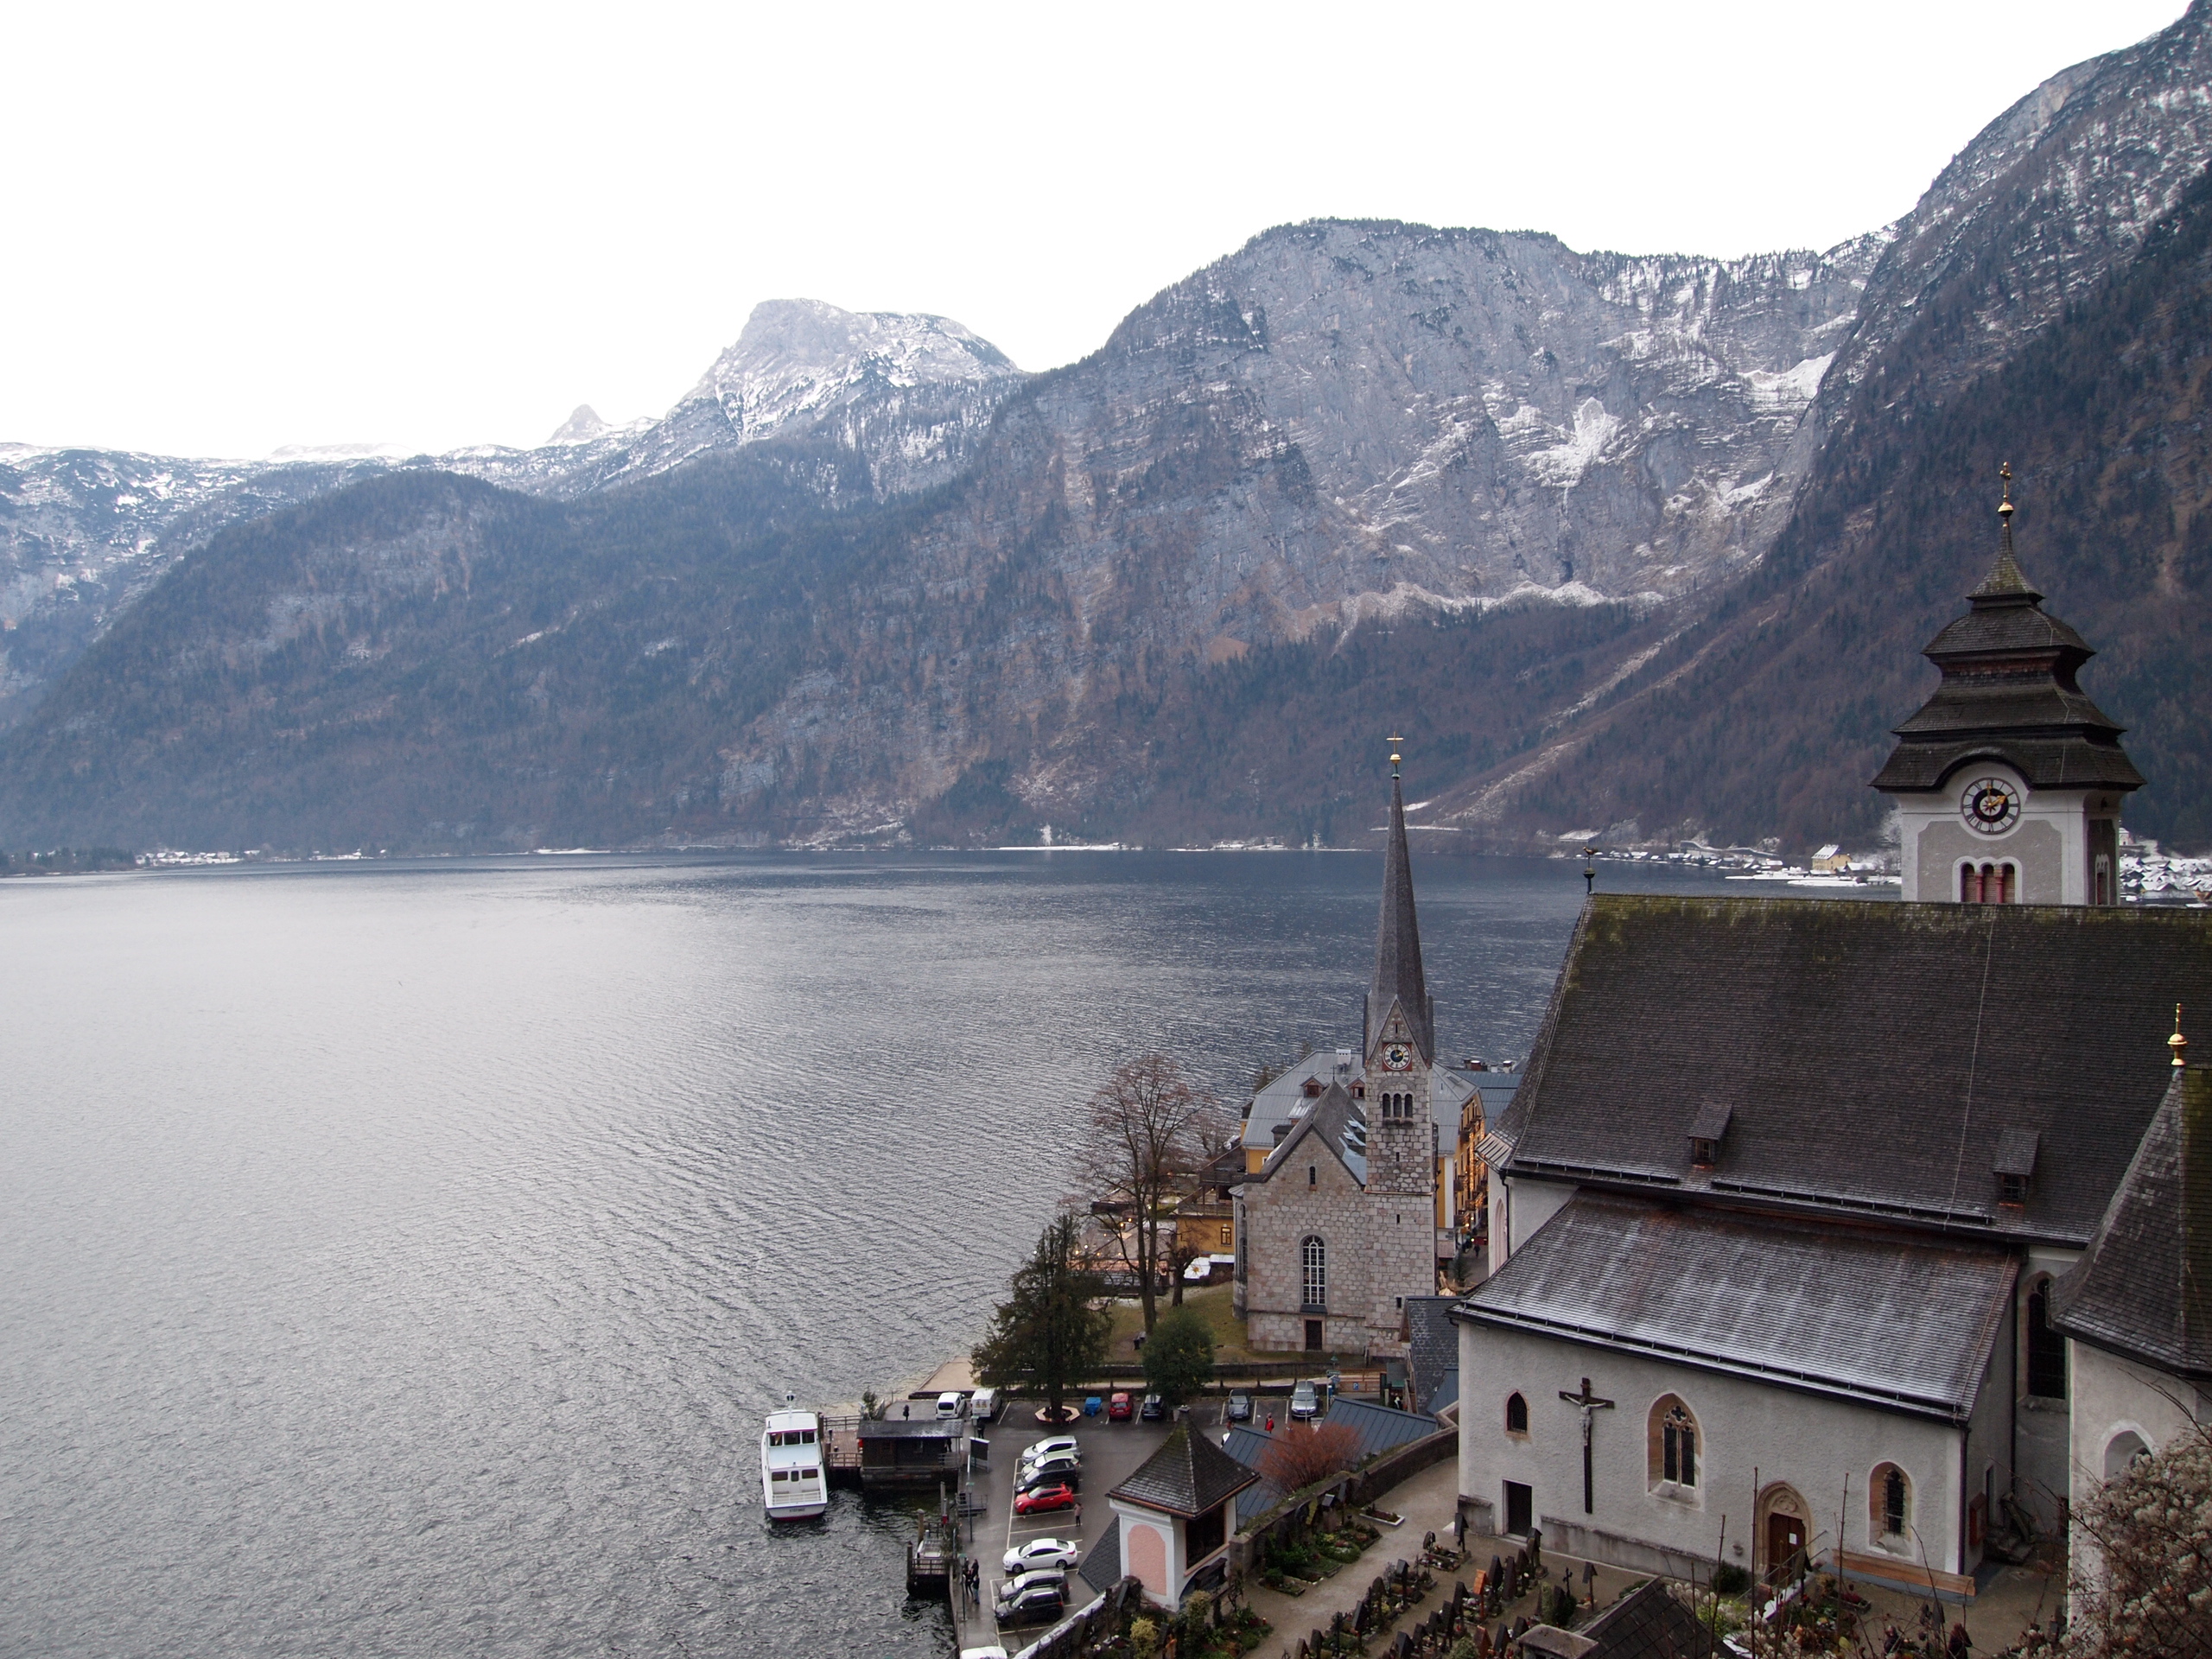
{"points": [[1399, 981], [2009, 740]]}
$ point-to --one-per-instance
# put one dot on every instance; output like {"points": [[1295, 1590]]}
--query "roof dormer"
{"points": [[2015, 1165], [1708, 1128]]}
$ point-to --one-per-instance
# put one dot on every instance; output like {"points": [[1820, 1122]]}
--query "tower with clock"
{"points": [[1399, 1039], [2009, 780]]}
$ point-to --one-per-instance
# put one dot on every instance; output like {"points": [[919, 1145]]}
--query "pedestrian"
{"points": [[907, 1412], [1460, 1530], [1271, 1423]]}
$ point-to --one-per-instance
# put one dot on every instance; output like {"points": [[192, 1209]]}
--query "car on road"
{"points": [[1042, 1604], [1304, 1402], [1154, 1410], [1045, 1499], [1120, 1408], [1064, 1468], [1040, 1553], [1238, 1410], [1045, 1448]]}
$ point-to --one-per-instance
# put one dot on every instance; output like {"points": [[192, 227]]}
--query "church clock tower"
{"points": [[2008, 781], [1400, 1034]]}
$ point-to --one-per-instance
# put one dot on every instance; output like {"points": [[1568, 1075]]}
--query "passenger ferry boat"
{"points": [[793, 1483]]}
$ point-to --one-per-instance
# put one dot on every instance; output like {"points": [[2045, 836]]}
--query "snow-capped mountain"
{"points": [[83, 532]]}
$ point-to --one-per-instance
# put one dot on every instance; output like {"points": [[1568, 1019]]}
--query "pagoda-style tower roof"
{"points": [[2008, 694], [1398, 975]]}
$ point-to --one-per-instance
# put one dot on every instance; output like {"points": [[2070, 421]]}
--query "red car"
{"points": [[1047, 1497], [1119, 1410]]}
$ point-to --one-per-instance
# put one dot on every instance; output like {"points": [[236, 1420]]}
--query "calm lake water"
{"points": [[398, 1257]]}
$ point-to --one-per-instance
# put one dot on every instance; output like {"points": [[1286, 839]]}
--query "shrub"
{"points": [[1304, 1456], [1729, 1579]]}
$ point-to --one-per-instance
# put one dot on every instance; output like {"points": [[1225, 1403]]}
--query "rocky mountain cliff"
{"points": [[85, 532], [1615, 540]]}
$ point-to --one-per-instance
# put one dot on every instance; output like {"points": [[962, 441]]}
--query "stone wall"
{"points": [[1381, 1247]]}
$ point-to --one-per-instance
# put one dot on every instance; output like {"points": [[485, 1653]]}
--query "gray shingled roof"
{"points": [[2141, 1291], [1187, 1476], [1433, 1352], [1883, 1317], [1336, 1120], [1102, 1564], [1398, 980], [1649, 1623], [1873, 1057]]}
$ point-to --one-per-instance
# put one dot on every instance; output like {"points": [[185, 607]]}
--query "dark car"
{"points": [[1238, 1410], [1040, 1604], [1154, 1410]]}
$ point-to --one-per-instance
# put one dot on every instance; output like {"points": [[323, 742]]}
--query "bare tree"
{"points": [[1148, 1134]]}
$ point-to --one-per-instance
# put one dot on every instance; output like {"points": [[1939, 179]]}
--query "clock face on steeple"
{"points": [[1989, 806], [1396, 1057]]}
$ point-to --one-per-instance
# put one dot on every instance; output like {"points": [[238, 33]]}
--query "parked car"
{"points": [[1304, 1402], [1043, 1553], [1120, 1408], [1045, 1448], [1238, 1410], [1048, 1469], [1045, 1499], [983, 1404], [1022, 1582], [1153, 1408], [1041, 1606], [947, 1405]]}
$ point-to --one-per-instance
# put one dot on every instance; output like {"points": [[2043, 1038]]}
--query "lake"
{"points": [[399, 1256]]}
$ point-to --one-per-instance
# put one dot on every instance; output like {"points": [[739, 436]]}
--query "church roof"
{"points": [[1337, 1119], [1398, 977], [1649, 1622], [1187, 1476], [1432, 1352], [1871, 1315], [2008, 693], [1872, 1056], [2144, 1288]]}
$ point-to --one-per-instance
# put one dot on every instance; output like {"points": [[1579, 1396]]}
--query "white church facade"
{"points": [[1781, 1217]]}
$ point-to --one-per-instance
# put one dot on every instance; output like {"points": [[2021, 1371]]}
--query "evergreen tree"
{"points": [[1049, 1335], [1178, 1355]]}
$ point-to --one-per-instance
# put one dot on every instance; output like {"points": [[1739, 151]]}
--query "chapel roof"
{"points": [[1876, 1059], [1871, 1315], [1649, 1623], [2144, 1287], [1187, 1476], [1399, 979], [2008, 693], [1336, 1120]]}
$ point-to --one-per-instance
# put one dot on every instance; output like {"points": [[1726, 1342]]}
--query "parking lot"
{"points": [[1110, 1452]]}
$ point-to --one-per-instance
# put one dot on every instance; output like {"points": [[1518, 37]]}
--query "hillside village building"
{"points": [[1344, 1211], [1779, 1213]]}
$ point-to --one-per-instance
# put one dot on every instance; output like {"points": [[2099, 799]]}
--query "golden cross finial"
{"points": [[2005, 507], [2178, 1043], [1394, 754]]}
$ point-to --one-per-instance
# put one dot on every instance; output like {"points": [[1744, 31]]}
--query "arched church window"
{"points": [[2046, 1348], [2126, 1450], [1313, 1264], [1672, 1442], [1516, 1414], [1892, 1495]]}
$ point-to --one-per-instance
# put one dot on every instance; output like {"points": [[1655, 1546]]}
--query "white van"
{"points": [[947, 1405], [984, 1404]]}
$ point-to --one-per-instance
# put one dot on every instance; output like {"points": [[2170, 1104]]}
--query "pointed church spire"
{"points": [[2005, 583], [1398, 977]]}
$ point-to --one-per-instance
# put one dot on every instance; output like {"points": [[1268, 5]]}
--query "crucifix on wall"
{"points": [[1591, 1405]]}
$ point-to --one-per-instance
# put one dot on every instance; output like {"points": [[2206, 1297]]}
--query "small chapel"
{"points": [[1847, 1234], [1343, 1211]]}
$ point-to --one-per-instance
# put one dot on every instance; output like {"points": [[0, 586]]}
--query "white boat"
{"points": [[793, 1483]]}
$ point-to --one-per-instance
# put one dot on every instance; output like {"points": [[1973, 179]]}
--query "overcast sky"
{"points": [[233, 228]]}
